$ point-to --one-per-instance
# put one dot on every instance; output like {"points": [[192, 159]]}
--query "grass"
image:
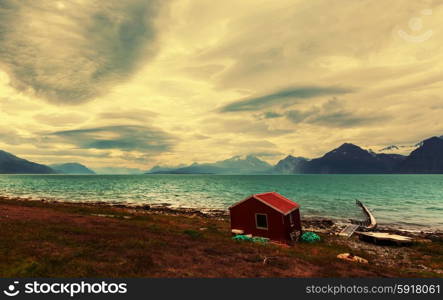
{"points": [[67, 240]]}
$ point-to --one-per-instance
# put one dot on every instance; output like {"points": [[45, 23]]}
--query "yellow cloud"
{"points": [[212, 54]]}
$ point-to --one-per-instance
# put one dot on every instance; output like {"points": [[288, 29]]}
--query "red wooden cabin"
{"points": [[267, 215]]}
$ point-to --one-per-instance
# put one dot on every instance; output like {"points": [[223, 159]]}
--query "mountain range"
{"points": [[235, 165], [346, 159], [351, 159], [427, 158], [72, 168], [118, 171]]}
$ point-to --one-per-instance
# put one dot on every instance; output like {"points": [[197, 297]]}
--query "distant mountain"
{"points": [[428, 158], [160, 169], [235, 165], [11, 164], [404, 149], [193, 169], [351, 159], [348, 158], [118, 171], [389, 162], [290, 165], [390, 148], [72, 168], [244, 164]]}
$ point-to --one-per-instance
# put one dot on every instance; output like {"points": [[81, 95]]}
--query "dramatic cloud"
{"points": [[59, 119], [332, 113], [265, 155], [297, 41], [226, 77], [126, 138], [12, 137], [271, 115], [244, 127], [72, 51], [139, 115], [287, 96]]}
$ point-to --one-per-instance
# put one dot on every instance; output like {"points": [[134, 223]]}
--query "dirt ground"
{"points": [[41, 239]]}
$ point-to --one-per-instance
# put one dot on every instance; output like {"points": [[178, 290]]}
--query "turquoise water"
{"points": [[410, 201]]}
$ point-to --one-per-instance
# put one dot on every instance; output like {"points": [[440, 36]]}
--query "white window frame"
{"points": [[267, 221], [291, 219]]}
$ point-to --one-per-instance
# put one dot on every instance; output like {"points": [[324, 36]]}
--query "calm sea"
{"points": [[409, 201]]}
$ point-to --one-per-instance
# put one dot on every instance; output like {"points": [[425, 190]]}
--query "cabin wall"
{"points": [[243, 217], [295, 226], [297, 219]]}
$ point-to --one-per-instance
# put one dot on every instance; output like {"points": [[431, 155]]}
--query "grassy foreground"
{"points": [[40, 239]]}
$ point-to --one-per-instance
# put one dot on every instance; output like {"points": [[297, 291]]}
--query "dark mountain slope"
{"points": [[11, 164], [290, 165], [72, 168], [428, 158], [351, 159]]}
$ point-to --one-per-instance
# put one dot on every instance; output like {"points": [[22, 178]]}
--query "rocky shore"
{"points": [[315, 224], [157, 232]]}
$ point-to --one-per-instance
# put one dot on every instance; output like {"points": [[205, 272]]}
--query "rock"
{"points": [[146, 207], [352, 258], [435, 237], [424, 241], [120, 205]]}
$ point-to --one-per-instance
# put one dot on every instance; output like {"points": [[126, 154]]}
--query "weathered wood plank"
{"points": [[349, 230]]}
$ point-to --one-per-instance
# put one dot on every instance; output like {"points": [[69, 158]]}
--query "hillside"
{"points": [[349, 159], [72, 168], [11, 164], [428, 158], [290, 165]]}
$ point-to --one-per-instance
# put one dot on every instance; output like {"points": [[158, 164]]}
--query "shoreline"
{"points": [[310, 223], [44, 238]]}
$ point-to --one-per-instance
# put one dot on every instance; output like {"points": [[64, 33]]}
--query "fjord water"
{"points": [[409, 201]]}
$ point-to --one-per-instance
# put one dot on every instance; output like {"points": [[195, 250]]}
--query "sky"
{"points": [[139, 83]]}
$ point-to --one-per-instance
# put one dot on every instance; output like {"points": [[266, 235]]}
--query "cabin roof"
{"points": [[274, 200]]}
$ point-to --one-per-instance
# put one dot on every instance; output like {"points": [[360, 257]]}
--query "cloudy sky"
{"points": [[138, 83]]}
